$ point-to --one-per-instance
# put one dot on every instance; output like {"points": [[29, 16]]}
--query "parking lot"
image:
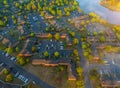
{"points": [[52, 46], [112, 58], [15, 72], [111, 72]]}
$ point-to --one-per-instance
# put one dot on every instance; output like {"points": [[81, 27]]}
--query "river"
{"points": [[87, 6]]}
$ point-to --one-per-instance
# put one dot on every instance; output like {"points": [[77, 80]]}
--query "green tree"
{"points": [[34, 7], [17, 49], [75, 41], [95, 33], [9, 50], [57, 36], [9, 78], [50, 36], [32, 34], [34, 48], [79, 70], [86, 53], [102, 39], [46, 54], [75, 52], [6, 71], [21, 61], [2, 23], [56, 54]]}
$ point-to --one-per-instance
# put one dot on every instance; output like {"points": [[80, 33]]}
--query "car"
{"points": [[4, 65], [105, 62], [3, 53], [13, 70], [1, 64], [34, 82], [42, 18], [6, 54], [61, 47], [16, 75], [26, 80], [12, 58]]}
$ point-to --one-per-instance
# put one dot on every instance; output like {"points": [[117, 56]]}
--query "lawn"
{"points": [[15, 80], [2, 46], [55, 76]]}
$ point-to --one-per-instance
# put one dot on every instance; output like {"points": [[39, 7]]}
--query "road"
{"points": [[28, 75], [83, 61]]}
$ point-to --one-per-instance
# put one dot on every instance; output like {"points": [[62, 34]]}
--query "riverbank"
{"points": [[110, 7]]}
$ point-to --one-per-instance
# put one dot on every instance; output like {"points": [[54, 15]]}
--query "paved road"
{"points": [[83, 61], [85, 66], [28, 75]]}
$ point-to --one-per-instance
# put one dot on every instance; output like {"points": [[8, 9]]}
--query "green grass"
{"points": [[2, 46]]}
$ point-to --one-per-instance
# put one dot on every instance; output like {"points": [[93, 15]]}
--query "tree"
{"points": [[6, 71], [1, 23], [28, 7], [46, 54], [75, 41], [9, 78], [17, 49], [94, 33], [72, 33], [56, 54], [34, 48], [86, 53], [77, 58], [75, 52], [67, 13], [80, 84], [34, 7], [21, 61], [102, 39], [5, 2], [79, 71], [84, 46], [50, 36], [57, 36], [75, 2], [9, 50], [108, 48], [32, 34], [16, 4], [47, 29], [90, 57]]}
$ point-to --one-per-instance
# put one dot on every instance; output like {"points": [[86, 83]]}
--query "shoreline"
{"points": [[113, 8]]}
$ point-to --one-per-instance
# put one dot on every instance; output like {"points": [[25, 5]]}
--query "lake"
{"points": [[87, 6]]}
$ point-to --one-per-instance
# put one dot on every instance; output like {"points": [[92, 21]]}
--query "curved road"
{"points": [[28, 75]]}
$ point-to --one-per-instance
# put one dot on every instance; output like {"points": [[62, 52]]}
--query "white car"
{"points": [[17, 74], [12, 58], [1, 64], [26, 80], [6, 54]]}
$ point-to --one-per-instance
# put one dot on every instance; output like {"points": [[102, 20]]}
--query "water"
{"points": [[87, 6]]}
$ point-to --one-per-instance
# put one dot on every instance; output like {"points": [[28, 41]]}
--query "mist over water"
{"points": [[94, 6]]}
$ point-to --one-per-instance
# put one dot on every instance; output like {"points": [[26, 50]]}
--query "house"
{"points": [[42, 35], [21, 29], [63, 36], [110, 84], [20, 21], [48, 16], [5, 41], [100, 47]]}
